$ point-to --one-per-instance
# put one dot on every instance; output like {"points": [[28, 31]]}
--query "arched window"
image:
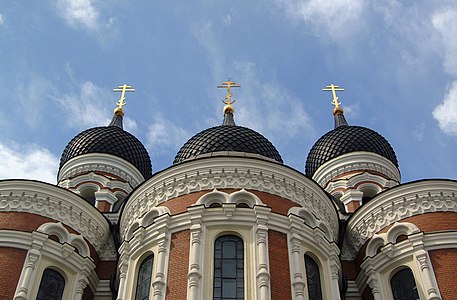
{"points": [[143, 285], [228, 268], [313, 278], [404, 286], [51, 286]]}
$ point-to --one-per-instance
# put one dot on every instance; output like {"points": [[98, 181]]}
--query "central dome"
{"points": [[227, 138]]}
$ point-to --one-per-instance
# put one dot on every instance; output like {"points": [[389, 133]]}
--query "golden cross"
{"points": [[334, 88], [228, 84], [123, 88]]}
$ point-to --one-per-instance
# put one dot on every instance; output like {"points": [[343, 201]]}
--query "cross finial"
{"points": [[123, 88], [228, 84], [334, 88]]}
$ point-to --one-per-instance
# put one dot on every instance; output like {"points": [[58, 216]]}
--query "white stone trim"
{"points": [[55, 203], [43, 253], [230, 172], [95, 180], [393, 205], [153, 238], [66, 237], [303, 239], [377, 270], [356, 161], [207, 226], [241, 196], [101, 162]]}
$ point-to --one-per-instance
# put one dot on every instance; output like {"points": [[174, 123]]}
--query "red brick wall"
{"points": [[444, 264], [178, 265], [11, 263], [279, 265], [28, 222], [429, 222], [278, 204]]}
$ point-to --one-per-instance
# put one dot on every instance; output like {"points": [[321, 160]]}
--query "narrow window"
{"points": [[51, 286], [228, 268], [143, 285], [313, 278], [404, 286]]}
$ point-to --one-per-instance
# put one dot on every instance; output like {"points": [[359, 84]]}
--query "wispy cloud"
{"points": [[2, 19], [86, 107], [334, 19], [445, 22], [163, 135], [267, 107], [28, 162], [446, 112], [84, 14]]}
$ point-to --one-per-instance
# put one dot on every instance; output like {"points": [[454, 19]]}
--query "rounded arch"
{"points": [[56, 229], [88, 190], [80, 245], [400, 228], [308, 217], [144, 273], [52, 284], [243, 196], [373, 245], [132, 228]]}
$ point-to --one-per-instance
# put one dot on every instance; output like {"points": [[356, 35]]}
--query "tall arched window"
{"points": [[51, 286], [404, 286], [228, 268], [313, 278], [143, 285]]}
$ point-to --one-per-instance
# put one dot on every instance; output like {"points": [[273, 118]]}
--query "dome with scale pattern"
{"points": [[346, 139], [109, 140], [227, 138]]}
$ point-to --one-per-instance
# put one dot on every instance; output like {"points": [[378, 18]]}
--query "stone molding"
{"points": [[393, 205], [412, 253], [44, 251], [230, 172], [356, 161], [100, 162], [55, 203]]}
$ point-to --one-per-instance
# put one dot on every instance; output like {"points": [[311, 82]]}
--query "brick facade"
{"points": [[11, 262], [444, 264], [279, 265], [178, 266]]}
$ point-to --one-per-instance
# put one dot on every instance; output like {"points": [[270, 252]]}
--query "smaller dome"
{"points": [[110, 140], [346, 139], [227, 138]]}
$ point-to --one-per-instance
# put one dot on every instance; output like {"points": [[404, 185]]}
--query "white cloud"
{"points": [[2, 19], [163, 135], [27, 162], [446, 112], [88, 107], [334, 19], [84, 14], [79, 12], [268, 108], [445, 22], [227, 20]]}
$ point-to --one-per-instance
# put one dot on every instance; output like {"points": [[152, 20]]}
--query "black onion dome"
{"points": [[227, 138], [109, 140], [346, 139]]}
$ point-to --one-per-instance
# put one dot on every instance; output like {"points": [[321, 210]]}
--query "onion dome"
{"points": [[344, 139], [227, 137], [113, 140]]}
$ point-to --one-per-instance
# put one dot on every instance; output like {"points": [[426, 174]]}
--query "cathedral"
{"points": [[228, 220]]}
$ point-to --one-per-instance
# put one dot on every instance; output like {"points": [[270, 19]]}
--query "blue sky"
{"points": [[61, 59]]}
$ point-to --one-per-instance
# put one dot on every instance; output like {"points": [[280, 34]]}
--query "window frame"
{"points": [[140, 263], [319, 269], [58, 271]]}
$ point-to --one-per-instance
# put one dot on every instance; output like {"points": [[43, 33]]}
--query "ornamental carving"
{"points": [[380, 213], [220, 173], [62, 208]]}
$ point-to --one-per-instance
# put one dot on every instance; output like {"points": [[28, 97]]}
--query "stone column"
{"points": [[22, 291], [159, 283], [298, 282], [423, 263]]}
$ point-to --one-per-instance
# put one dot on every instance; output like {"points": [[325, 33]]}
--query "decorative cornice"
{"points": [[57, 204], [103, 163], [356, 161], [393, 205], [80, 181], [230, 172]]}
